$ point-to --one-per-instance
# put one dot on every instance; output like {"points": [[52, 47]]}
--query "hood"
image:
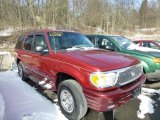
{"points": [[145, 51], [154, 54], [99, 59]]}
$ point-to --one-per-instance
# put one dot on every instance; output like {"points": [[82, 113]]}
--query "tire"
{"points": [[76, 98], [21, 72]]}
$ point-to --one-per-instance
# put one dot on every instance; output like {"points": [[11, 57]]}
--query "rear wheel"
{"points": [[72, 100], [21, 72]]}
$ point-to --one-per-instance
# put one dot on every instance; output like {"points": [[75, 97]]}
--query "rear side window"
{"points": [[19, 42], [28, 43]]}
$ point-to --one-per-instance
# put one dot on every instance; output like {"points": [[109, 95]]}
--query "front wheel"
{"points": [[72, 100]]}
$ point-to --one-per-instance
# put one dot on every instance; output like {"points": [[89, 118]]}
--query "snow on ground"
{"points": [[7, 32], [147, 103], [4, 53], [2, 108], [23, 102]]}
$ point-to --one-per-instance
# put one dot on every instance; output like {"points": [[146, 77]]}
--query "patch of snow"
{"points": [[99, 30], [10, 31], [55, 100], [2, 108], [48, 86], [23, 102], [139, 36], [152, 91], [146, 105], [7, 32], [43, 81], [4, 53]]}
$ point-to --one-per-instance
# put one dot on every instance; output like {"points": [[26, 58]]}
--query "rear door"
{"points": [[26, 54]]}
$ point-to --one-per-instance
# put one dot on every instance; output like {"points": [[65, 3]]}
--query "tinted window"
{"points": [[28, 43], [40, 41], [19, 42], [104, 43], [64, 40]]}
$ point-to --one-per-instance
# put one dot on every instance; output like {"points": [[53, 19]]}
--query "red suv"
{"points": [[82, 75]]}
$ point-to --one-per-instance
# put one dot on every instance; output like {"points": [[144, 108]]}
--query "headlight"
{"points": [[156, 60], [104, 79], [117, 77]]}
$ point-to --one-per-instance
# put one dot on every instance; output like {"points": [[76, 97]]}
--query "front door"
{"points": [[41, 64]]}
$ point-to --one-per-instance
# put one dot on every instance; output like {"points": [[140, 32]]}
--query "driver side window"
{"points": [[40, 41], [106, 44]]}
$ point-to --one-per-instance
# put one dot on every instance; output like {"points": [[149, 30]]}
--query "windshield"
{"points": [[123, 42], [66, 40]]}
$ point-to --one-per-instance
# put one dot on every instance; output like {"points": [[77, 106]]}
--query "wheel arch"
{"points": [[17, 61], [62, 76]]}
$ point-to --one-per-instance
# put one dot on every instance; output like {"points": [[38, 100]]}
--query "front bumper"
{"points": [[109, 100], [155, 76]]}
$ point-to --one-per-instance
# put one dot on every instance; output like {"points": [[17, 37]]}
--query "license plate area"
{"points": [[136, 92]]}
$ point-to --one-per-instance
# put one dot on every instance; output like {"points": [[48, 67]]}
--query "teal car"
{"points": [[150, 58]]}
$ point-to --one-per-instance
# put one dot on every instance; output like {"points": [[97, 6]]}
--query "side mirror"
{"points": [[40, 48], [45, 51], [110, 48]]}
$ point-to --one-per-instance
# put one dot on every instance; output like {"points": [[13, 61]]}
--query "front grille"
{"points": [[130, 74]]}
